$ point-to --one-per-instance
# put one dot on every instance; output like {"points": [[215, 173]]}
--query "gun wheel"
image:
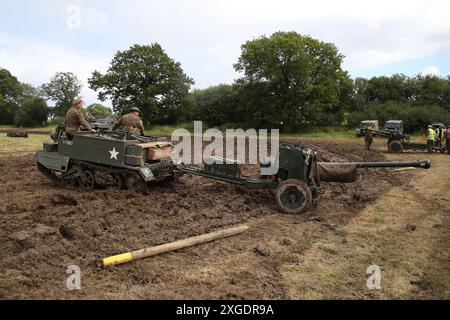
{"points": [[293, 196], [395, 146]]}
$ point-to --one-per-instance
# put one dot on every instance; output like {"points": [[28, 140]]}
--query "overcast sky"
{"points": [[39, 38]]}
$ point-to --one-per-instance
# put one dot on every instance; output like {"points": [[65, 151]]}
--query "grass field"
{"points": [[167, 130], [21, 145]]}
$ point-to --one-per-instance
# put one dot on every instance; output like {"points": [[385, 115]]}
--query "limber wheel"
{"points": [[293, 196], [87, 180], [395, 146]]}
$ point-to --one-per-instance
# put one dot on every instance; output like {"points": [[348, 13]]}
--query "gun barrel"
{"points": [[424, 164]]}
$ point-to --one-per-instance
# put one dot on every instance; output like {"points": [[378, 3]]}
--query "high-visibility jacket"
{"points": [[431, 134]]}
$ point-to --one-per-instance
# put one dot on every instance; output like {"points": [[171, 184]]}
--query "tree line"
{"points": [[287, 81], [24, 105]]}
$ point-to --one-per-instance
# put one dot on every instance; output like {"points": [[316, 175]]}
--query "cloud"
{"points": [[369, 33], [205, 36], [431, 70], [34, 61]]}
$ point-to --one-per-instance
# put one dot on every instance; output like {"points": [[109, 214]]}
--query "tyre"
{"points": [[395, 146], [293, 196]]}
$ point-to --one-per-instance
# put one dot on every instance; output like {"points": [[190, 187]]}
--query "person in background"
{"points": [[447, 138], [368, 139], [442, 137], [437, 141], [431, 138]]}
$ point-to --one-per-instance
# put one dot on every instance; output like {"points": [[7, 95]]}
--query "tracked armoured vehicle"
{"points": [[105, 159]]}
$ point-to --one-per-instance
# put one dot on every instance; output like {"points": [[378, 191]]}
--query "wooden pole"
{"points": [[172, 246], [404, 169]]}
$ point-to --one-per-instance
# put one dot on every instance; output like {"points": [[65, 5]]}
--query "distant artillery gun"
{"points": [[101, 124], [398, 141]]}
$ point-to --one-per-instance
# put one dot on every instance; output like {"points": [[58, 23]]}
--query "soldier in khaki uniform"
{"points": [[75, 119], [368, 139], [131, 122]]}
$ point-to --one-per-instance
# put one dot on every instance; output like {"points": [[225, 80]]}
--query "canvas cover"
{"points": [[337, 172], [157, 150]]}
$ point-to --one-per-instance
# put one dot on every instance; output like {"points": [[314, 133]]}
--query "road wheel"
{"points": [[293, 196], [395, 146], [118, 181], [71, 182], [131, 181], [87, 180]]}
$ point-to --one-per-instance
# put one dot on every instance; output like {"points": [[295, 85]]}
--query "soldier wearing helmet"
{"points": [[75, 119], [130, 122]]}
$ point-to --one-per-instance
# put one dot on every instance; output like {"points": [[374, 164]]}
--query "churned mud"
{"points": [[44, 229]]}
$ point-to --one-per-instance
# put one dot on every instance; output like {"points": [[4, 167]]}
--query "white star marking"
{"points": [[114, 153]]}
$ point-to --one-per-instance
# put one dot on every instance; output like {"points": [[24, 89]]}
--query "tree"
{"points": [[146, 77], [10, 89], [33, 112], [28, 90], [7, 111], [432, 90], [289, 80], [99, 111], [63, 89], [215, 105], [383, 89]]}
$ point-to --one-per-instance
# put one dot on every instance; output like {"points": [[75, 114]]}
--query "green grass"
{"points": [[21, 145], [323, 133], [49, 128], [167, 130]]}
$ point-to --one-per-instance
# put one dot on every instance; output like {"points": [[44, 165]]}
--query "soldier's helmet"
{"points": [[136, 109]]}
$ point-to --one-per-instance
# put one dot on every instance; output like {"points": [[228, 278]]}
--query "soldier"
{"points": [[368, 139], [75, 119], [131, 122]]}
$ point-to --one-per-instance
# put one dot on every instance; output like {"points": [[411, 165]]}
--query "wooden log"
{"points": [[17, 134], [172, 246], [405, 169]]}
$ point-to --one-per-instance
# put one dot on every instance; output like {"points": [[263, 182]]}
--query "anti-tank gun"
{"points": [[298, 181]]}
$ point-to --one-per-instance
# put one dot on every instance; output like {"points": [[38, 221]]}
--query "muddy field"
{"points": [[44, 229]]}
